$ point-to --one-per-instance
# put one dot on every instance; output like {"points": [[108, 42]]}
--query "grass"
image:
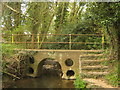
{"points": [[112, 77]]}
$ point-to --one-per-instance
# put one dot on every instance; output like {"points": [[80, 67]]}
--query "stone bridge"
{"points": [[69, 60], [63, 57]]}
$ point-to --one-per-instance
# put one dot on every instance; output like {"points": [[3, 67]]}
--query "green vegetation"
{"points": [[8, 49], [79, 83], [7, 53], [113, 77], [63, 18]]}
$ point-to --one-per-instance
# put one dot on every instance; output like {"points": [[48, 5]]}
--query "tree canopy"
{"points": [[63, 18]]}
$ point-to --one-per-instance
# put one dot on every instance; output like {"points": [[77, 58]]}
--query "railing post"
{"points": [[12, 38], [80, 70], [38, 40], [70, 39], [103, 41], [32, 41]]}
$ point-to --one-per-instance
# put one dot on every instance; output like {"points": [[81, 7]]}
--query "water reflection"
{"points": [[44, 82]]}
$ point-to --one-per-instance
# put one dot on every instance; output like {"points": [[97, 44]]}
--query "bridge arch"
{"points": [[49, 66]]}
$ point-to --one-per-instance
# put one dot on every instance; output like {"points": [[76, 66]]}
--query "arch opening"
{"points": [[70, 73], [30, 70], [50, 67], [69, 62], [31, 60]]}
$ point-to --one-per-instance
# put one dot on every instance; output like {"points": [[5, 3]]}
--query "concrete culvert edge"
{"points": [[30, 70], [69, 62], [70, 73]]}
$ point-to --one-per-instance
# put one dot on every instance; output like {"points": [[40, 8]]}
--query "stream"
{"points": [[49, 77], [44, 82]]}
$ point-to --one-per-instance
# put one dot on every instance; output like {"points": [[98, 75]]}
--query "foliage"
{"points": [[58, 18], [79, 83], [113, 63], [106, 15], [8, 49], [7, 52], [61, 16], [64, 18], [112, 77]]}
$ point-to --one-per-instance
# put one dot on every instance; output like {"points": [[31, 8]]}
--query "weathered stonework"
{"points": [[61, 57]]}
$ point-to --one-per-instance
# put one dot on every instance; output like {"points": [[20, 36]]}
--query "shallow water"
{"points": [[44, 82]]}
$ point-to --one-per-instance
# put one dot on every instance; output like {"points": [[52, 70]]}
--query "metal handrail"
{"points": [[69, 42]]}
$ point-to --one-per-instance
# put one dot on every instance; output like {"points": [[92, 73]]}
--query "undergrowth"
{"points": [[112, 77], [112, 62], [79, 83], [8, 49], [7, 52]]}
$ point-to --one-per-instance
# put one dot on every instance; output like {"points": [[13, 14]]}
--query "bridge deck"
{"points": [[53, 50]]}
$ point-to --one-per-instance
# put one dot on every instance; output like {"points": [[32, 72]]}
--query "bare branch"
{"points": [[18, 12]]}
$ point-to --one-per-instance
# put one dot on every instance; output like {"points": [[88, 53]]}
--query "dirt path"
{"points": [[98, 82]]}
